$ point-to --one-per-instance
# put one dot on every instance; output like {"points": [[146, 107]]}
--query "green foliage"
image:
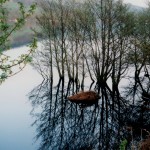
{"points": [[6, 30], [3, 1], [123, 144]]}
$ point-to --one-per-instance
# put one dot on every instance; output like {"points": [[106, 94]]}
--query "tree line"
{"points": [[103, 40], [99, 39]]}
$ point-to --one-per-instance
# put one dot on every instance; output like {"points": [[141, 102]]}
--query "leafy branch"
{"points": [[6, 30]]}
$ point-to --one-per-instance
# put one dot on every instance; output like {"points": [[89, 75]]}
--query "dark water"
{"points": [[59, 124], [63, 125]]}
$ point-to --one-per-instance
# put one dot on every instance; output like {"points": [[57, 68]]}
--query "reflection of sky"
{"points": [[142, 3], [16, 132]]}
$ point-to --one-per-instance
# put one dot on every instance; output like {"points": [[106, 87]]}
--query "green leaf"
{"points": [[123, 144]]}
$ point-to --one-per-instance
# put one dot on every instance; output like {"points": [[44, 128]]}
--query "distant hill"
{"points": [[135, 8], [25, 35]]}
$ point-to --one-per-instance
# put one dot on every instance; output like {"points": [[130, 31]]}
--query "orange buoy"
{"points": [[87, 97]]}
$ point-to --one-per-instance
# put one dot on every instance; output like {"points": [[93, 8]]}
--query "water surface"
{"points": [[16, 132]]}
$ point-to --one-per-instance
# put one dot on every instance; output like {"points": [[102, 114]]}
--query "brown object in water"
{"points": [[85, 97], [145, 145]]}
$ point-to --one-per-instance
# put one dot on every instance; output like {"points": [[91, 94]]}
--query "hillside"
{"points": [[25, 35]]}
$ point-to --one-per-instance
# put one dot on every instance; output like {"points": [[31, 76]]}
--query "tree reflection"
{"points": [[137, 113], [103, 41], [65, 125], [116, 117]]}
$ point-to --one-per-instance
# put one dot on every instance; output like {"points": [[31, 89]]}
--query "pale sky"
{"points": [[141, 3]]}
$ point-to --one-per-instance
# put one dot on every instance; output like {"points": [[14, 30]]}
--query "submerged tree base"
{"points": [[87, 97]]}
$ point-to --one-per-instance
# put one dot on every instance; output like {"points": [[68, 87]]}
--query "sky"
{"points": [[141, 3]]}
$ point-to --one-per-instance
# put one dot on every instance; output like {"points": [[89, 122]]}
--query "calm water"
{"points": [[16, 132], [59, 124]]}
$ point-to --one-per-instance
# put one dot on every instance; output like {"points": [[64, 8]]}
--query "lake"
{"points": [[59, 124], [16, 132]]}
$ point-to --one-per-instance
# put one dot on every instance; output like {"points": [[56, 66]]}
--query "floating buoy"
{"points": [[87, 97]]}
